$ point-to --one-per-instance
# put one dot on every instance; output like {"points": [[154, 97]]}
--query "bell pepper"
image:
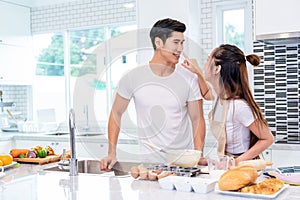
{"points": [[42, 153], [50, 151]]}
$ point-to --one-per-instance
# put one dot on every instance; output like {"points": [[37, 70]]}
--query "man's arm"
{"points": [[119, 106], [195, 109]]}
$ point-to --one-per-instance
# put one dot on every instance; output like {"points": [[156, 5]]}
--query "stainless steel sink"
{"points": [[93, 167], [82, 134], [58, 133], [87, 134]]}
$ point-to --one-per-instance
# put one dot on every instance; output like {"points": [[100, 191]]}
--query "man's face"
{"points": [[173, 47]]}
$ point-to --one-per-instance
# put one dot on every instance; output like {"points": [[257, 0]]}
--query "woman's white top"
{"points": [[239, 117]]}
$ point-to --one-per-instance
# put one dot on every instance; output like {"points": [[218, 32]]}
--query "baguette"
{"points": [[237, 178]]}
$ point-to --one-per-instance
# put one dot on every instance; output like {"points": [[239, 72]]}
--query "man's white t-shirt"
{"points": [[239, 117], [161, 105]]}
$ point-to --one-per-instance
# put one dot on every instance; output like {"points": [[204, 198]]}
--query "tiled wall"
{"points": [[20, 95], [276, 86], [79, 14]]}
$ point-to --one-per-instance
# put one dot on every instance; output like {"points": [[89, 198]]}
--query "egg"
{"points": [[134, 171]]}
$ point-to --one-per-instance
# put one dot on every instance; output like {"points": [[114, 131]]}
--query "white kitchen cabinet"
{"points": [[128, 152], [276, 17], [92, 150], [15, 24], [5, 146], [15, 44]]}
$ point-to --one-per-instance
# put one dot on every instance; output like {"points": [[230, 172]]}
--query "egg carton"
{"points": [[187, 184]]}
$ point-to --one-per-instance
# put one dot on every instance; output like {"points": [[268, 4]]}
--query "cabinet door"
{"points": [[15, 24], [15, 44], [273, 17], [128, 152], [91, 150], [15, 63]]}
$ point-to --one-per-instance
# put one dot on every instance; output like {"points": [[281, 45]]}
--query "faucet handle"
{"points": [[64, 164], [63, 154]]}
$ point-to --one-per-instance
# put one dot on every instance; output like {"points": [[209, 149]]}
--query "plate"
{"points": [[10, 165], [10, 130], [241, 194]]}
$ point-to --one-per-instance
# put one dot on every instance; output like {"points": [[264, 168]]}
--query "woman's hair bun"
{"points": [[253, 59]]}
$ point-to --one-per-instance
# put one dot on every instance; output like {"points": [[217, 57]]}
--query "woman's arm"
{"points": [[265, 139], [192, 65]]}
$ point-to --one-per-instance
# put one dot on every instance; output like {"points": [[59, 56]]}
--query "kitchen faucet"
{"points": [[73, 159]]}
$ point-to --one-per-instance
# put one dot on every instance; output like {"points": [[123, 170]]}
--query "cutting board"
{"points": [[40, 161]]}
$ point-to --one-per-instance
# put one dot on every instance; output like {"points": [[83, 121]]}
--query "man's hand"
{"points": [[107, 162], [202, 161]]}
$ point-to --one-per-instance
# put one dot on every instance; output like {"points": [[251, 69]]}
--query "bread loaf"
{"points": [[268, 186], [237, 178]]}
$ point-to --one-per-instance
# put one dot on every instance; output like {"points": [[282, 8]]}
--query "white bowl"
{"points": [[167, 183], [201, 185], [184, 158], [182, 183], [187, 184]]}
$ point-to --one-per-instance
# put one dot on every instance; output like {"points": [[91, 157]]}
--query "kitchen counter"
{"points": [[123, 138], [30, 182]]}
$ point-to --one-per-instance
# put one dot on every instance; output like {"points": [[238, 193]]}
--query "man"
{"points": [[167, 97]]}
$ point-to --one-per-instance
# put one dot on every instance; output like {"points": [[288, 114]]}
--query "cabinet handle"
{"points": [[101, 145]]}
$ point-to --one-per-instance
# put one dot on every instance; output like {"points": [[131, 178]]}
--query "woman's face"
{"points": [[208, 67]]}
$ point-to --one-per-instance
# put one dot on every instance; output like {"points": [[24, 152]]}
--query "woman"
{"points": [[235, 120]]}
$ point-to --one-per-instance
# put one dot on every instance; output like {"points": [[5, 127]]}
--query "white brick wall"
{"points": [[80, 14], [19, 94]]}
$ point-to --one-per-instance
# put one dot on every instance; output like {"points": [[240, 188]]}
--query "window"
{"points": [[233, 24], [73, 70], [49, 80]]}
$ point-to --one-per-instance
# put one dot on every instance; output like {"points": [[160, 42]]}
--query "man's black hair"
{"points": [[164, 28]]}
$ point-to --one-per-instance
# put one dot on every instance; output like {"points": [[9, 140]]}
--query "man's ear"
{"points": [[218, 69], [158, 42]]}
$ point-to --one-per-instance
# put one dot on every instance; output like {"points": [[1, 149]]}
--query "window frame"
{"points": [[67, 66], [217, 9]]}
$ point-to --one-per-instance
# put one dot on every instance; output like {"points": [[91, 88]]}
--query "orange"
{"points": [[1, 163], [6, 159]]}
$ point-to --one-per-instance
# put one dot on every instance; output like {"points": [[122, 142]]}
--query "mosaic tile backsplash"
{"points": [[276, 88]]}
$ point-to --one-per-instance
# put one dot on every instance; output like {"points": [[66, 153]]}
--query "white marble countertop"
{"points": [[30, 182]]}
